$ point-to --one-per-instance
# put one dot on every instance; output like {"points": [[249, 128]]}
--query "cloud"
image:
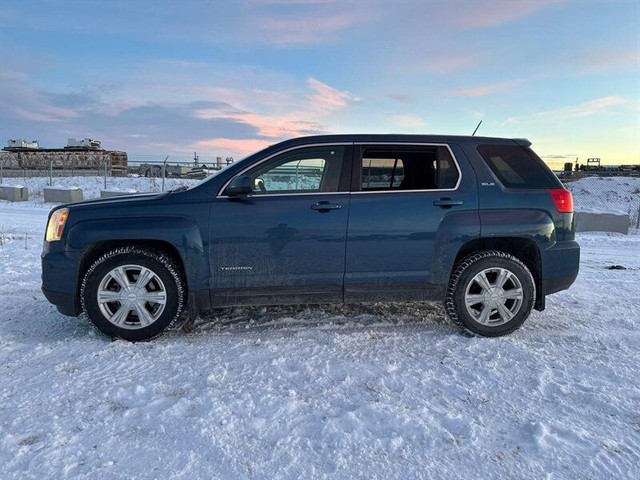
{"points": [[574, 112], [28, 103], [451, 62], [481, 90], [328, 98], [307, 29], [559, 156], [293, 117], [492, 13], [46, 113], [399, 97], [600, 59], [407, 121], [229, 146]]}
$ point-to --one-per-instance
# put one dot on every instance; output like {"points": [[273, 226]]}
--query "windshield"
{"points": [[242, 160]]}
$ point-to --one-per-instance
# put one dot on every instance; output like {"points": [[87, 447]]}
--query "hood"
{"points": [[115, 201]]}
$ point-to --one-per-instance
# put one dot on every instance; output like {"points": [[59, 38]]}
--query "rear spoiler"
{"points": [[523, 142]]}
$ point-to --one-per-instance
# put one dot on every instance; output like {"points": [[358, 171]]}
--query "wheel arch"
{"points": [[524, 249]]}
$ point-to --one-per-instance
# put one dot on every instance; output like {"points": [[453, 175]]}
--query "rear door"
{"points": [[403, 196], [285, 242]]}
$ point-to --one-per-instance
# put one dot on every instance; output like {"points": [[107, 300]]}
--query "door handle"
{"points": [[325, 206], [447, 202]]}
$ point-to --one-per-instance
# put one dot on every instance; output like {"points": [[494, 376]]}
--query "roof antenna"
{"points": [[474, 132]]}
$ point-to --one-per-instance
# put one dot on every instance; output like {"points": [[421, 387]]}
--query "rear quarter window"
{"points": [[518, 167]]}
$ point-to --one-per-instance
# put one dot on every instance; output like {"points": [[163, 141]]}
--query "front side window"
{"points": [[408, 168], [305, 170]]}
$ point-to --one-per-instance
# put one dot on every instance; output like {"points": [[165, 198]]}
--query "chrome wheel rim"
{"points": [[131, 296], [494, 296]]}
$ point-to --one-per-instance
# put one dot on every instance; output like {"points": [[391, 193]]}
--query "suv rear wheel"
{"points": [[491, 293], [133, 293]]}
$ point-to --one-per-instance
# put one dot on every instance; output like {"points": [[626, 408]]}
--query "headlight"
{"points": [[56, 224]]}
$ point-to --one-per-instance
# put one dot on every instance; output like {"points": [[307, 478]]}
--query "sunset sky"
{"points": [[230, 78]]}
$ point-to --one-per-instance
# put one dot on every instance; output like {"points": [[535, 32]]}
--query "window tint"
{"points": [[315, 169], [517, 167], [409, 168]]}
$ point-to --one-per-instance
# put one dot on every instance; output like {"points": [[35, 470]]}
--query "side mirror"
{"points": [[239, 186]]}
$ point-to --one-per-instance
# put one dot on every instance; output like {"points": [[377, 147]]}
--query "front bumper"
{"points": [[59, 276], [64, 302]]}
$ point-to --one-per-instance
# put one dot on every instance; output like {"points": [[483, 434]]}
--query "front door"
{"points": [[403, 195], [285, 242]]}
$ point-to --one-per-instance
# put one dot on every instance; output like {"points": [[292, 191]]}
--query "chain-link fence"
{"points": [[27, 165], [610, 194]]}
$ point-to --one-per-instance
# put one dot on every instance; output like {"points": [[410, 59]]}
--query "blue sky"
{"points": [[227, 78]]}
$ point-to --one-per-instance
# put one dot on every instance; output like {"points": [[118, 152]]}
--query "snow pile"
{"points": [[91, 186], [375, 391], [606, 194]]}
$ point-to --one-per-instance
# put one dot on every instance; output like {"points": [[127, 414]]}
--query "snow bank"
{"points": [[91, 186], [606, 194]]}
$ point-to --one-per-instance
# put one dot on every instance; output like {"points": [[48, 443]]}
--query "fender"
{"points": [[181, 232], [536, 225]]}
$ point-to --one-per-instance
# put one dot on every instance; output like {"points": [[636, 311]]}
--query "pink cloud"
{"points": [[407, 121], [311, 29], [491, 13], [451, 62], [605, 59], [481, 90], [329, 98], [288, 117], [233, 147], [47, 113]]}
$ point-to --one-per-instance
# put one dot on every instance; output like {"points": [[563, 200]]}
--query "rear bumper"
{"points": [[560, 266]]}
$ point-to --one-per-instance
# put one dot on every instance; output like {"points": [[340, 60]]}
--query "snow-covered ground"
{"points": [[91, 186], [364, 391]]}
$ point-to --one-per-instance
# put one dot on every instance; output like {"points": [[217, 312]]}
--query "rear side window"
{"points": [[517, 167], [408, 168]]}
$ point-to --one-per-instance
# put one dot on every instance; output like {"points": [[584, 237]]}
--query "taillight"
{"points": [[562, 199]]}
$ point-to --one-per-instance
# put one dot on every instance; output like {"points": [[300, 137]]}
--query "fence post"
{"points": [[51, 172], [164, 171], [105, 174], [1, 167], [638, 218]]}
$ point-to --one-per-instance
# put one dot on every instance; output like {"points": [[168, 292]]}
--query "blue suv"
{"points": [[479, 223]]}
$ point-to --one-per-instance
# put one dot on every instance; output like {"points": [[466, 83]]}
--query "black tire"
{"points": [[463, 274], [160, 264]]}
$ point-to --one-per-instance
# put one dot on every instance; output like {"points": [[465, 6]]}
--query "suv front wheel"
{"points": [[133, 293], [491, 293]]}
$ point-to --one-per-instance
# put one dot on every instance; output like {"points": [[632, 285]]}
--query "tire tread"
{"points": [[458, 271], [156, 255]]}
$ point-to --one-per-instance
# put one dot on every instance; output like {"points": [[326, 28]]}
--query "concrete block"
{"points": [[116, 193], [62, 195], [16, 193], [601, 222]]}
